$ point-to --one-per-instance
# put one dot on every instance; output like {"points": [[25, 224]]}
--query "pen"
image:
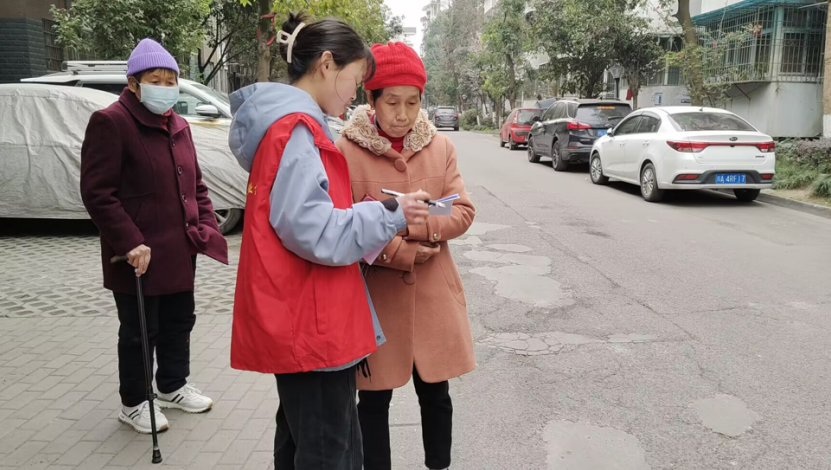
{"points": [[397, 194]]}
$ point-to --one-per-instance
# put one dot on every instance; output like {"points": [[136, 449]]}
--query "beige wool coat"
{"points": [[421, 307]]}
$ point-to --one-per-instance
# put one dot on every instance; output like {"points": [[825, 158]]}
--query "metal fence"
{"points": [[772, 42]]}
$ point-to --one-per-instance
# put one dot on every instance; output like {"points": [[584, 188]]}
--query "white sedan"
{"points": [[672, 148]]}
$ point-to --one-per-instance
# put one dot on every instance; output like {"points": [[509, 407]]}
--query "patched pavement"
{"points": [[690, 334]]}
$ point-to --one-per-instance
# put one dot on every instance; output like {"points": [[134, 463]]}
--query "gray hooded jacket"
{"points": [[302, 213]]}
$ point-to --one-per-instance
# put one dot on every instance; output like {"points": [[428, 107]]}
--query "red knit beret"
{"points": [[396, 64]]}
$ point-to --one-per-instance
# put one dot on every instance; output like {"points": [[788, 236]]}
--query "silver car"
{"points": [[199, 104], [446, 117]]}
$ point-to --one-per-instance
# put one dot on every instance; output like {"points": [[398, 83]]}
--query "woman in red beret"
{"points": [[414, 284]]}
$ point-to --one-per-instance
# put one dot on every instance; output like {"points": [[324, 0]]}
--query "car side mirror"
{"points": [[536, 119], [611, 132], [207, 110]]}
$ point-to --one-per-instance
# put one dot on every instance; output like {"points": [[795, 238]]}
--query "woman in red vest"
{"points": [[301, 310]]}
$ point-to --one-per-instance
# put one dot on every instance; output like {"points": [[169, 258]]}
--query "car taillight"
{"points": [[578, 125], [437, 116], [689, 176], [767, 176], [456, 115], [766, 147], [692, 147]]}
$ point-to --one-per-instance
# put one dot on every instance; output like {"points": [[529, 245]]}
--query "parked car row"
{"points": [[40, 153], [658, 149]]}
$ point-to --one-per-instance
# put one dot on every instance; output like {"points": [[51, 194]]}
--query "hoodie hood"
{"points": [[256, 107]]}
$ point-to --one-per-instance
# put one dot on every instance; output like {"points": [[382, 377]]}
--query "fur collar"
{"points": [[361, 131]]}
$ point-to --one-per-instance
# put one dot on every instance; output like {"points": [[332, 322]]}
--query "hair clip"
{"points": [[288, 39]]}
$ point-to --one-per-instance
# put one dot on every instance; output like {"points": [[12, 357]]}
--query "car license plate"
{"points": [[731, 178], [601, 132]]}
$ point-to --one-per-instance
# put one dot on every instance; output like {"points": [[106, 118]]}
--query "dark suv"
{"points": [[568, 129], [446, 117]]}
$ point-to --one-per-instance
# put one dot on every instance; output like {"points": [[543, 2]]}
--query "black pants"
{"points": [[170, 320], [436, 424], [317, 422]]}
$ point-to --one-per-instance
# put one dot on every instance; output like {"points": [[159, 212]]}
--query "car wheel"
{"points": [[227, 219], [747, 195], [512, 144], [456, 128], [501, 142], [649, 184], [533, 157], [558, 162], [596, 171]]}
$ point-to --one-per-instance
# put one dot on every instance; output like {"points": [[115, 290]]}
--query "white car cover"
{"points": [[42, 128]]}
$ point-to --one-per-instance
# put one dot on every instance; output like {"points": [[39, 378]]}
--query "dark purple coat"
{"points": [[141, 184]]}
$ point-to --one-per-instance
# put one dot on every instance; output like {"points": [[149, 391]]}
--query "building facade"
{"points": [[28, 46], [407, 36], [766, 55]]}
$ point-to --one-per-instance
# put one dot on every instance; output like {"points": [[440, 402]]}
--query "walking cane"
{"points": [[148, 362]]}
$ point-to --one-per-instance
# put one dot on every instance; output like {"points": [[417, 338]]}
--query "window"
{"points": [[793, 48], [54, 52], [510, 117], [572, 109], [559, 110], [187, 105], [689, 122], [603, 114], [674, 76], [548, 113], [649, 125], [113, 88], [629, 126], [219, 96], [656, 79], [526, 116]]}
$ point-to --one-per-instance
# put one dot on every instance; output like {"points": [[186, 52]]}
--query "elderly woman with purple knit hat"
{"points": [[142, 186]]}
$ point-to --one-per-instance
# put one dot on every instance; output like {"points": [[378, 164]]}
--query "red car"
{"points": [[516, 128]]}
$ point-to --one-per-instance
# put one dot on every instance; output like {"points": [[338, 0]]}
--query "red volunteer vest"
{"points": [[291, 315]]}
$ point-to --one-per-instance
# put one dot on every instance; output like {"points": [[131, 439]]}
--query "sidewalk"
{"points": [[59, 380], [59, 401]]}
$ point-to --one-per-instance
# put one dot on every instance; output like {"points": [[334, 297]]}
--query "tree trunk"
{"points": [[695, 77], [826, 82], [511, 82], [264, 59], [634, 79]]}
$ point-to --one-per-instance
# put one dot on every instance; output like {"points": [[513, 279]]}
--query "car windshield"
{"points": [[703, 121], [526, 116], [446, 111], [221, 97], [600, 115]]}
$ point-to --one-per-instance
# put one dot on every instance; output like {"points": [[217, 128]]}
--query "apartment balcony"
{"points": [[763, 41]]}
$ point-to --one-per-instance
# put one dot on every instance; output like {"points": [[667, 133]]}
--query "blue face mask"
{"points": [[159, 99]]}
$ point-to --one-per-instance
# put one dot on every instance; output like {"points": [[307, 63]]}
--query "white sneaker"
{"points": [[187, 398], [138, 417]]}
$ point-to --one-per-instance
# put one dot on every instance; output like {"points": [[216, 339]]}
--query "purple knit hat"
{"points": [[150, 55]]}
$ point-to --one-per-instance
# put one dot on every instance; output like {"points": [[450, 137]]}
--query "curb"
{"points": [[800, 206]]}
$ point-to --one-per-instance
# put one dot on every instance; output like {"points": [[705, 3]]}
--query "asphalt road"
{"points": [[617, 334], [611, 334]]}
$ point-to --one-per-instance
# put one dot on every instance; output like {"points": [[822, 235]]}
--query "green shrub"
{"points": [[813, 154], [468, 119], [822, 187], [790, 175]]}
